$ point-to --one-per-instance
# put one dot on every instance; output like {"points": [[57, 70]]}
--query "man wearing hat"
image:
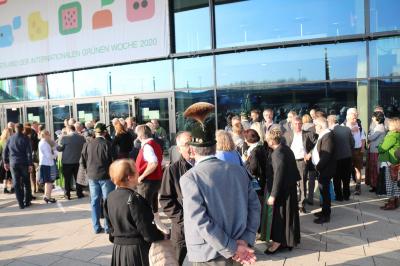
{"points": [[95, 160], [221, 209]]}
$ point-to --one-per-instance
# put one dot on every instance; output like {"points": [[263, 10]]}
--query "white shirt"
{"points": [[358, 137], [148, 152], [297, 146], [315, 154], [46, 155]]}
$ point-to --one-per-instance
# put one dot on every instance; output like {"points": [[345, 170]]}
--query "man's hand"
{"points": [[7, 167], [140, 179], [30, 169], [271, 201], [307, 157], [244, 254]]}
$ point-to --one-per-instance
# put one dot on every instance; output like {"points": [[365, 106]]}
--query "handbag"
{"points": [[82, 178], [394, 172], [161, 253], [254, 182]]}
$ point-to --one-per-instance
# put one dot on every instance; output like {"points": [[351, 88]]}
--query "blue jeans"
{"points": [[99, 189], [22, 183]]}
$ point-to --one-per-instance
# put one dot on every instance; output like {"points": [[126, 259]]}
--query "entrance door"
{"points": [[89, 110], [58, 113], [13, 113], [117, 107], [37, 113]]}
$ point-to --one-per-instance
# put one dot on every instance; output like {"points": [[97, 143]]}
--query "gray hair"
{"points": [[205, 151], [182, 135], [321, 121], [332, 119], [352, 111]]}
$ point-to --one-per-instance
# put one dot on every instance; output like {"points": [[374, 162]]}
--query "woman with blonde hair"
{"points": [[307, 122], [237, 134], [226, 148], [131, 224], [5, 175], [47, 156], [123, 142]]}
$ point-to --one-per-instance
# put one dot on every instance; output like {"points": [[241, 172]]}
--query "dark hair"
{"points": [[72, 128], [251, 136], [379, 116], [19, 128]]}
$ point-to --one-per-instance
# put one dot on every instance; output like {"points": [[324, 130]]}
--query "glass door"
{"points": [[36, 113], [120, 107], [58, 113], [13, 114], [89, 110]]}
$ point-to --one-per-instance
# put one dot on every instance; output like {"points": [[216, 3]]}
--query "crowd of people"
{"points": [[221, 189]]}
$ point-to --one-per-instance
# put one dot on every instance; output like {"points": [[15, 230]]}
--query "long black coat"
{"points": [[326, 166], [285, 221], [257, 165]]}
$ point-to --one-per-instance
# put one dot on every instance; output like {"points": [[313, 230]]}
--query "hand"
{"points": [[7, 167], [271, 201], [244, 254], [30, 169], [307, 157], [140, 179]]}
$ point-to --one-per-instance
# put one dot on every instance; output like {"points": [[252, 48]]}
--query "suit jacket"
{"points": [[326, 166], [220, 206], [309, 139], [71, 147], [343, 141], [285, 169]]}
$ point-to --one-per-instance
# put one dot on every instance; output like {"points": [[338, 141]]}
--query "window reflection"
{"points": [[312, 63], [385, 57], [193, 73], [92, 82], [257, 21], [23, 89], [384, 15], [192, 25], [60, 86], [142, 77], [330, 97], [386, 93], [183, 99]]}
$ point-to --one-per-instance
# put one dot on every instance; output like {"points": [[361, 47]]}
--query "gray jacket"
{"points": [[343, 141], [375, 137], [220, 206], [71, 148]]}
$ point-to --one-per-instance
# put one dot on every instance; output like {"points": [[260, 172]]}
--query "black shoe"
{"points": [[310, 202], [68, 197], [12, 191], [100, 231], [33, 197], [52, 200], [22, 207], [302, 210], [322, 220], [27, 204], [339, 199], [318, 214], [279, 249], [81, 196], [346, 198], [46, 200], [6, 191]]}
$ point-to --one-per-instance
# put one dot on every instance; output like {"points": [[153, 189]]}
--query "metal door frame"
{"points": [[44, 104], [90, 100], [109, 99], [53, 103], [15, 105]]}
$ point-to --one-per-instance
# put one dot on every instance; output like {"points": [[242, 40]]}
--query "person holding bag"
{"points": [[47, 155], [389, 162]]}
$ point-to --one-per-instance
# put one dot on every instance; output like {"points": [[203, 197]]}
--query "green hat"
{"points": [[202, 126], [100, 128]]}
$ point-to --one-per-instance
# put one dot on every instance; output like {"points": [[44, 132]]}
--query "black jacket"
{"points": [[256, 164], [130, 218], [18, 150], [123, 143], [326, 166], [171, 197], [285, 169], [96, 158], [309, 139]]}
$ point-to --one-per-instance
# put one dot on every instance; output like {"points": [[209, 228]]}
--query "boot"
{"points": [[384, 205], [396, 202], [391, 205]]}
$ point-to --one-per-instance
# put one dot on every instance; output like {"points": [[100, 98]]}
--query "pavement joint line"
{"points": [[365, 253], [373, 260], [60, 206]]}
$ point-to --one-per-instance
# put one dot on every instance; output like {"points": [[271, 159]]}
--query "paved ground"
{"points": [[61, 234]]}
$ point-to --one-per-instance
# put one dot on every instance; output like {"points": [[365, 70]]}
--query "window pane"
{"points": [[60, 86], [335, 96], [260, 21], [193, 73], [387, 95], [192, 25], [385, 57], [183, 99], [92, 82], [143, 77], [320, 62], [385, 15], [23, 89]]}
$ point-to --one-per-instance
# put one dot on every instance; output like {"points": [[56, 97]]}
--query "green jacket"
{"points": [[388, 147]]}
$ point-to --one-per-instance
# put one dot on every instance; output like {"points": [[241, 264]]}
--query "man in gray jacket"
{"points": [[221, 209], [344, 143]]}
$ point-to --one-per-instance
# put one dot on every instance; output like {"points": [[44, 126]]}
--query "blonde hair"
{"points": [[224, 141], [119, 129], [6, 134], [237, 129], [394, 124], [274, 135], [306, 119], [120, 170]]}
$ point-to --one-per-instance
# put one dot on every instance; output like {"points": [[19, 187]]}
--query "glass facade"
{"points": [[384, 15], [61, 86], [385, 57], [194, 73]]}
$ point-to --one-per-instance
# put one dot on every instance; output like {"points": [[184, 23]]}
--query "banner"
{"points": [[39, 36]]}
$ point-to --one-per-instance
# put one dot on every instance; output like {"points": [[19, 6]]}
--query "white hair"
{"points": [[321, 121], [351, 111]]}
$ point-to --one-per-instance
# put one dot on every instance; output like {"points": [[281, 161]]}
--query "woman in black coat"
{"points": [[130, 218], [122, 142], [285, 231]]}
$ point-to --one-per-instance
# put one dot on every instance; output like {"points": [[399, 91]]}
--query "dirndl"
{"points": [[130, 255], [266, 219]]}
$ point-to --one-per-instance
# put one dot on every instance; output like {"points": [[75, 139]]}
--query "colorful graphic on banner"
{"points": [[47, 36]]}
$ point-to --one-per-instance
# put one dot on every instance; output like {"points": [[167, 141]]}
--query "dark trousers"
{"points": [[302, 183], [178, 241], [341, 181], [71, 171], [22, 184], [220, 261], [148, 189], [324, 183]]}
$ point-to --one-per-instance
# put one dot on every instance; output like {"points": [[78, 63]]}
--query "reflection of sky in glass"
{"points": [[193, 72], [292, 64], [257, 21], [385, 57], [192, 30], [60, 85], [385, 15], [143, 77], [91, 82]]}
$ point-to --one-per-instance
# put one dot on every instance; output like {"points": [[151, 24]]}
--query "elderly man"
{"points": [[220, 207], [171, 195], [286, 125], [268, 122]]}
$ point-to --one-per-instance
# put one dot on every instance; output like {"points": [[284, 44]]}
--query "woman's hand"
{"points": [[271, 201]]}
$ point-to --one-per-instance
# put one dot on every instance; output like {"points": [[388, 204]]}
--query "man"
{"points": [[79, 129], [312, 114], [255, 116], [244, 120], [171, 194], [256, 124], [160, 133], [71, 147], [359, 136], [301, 143], [322, 157], [35, 158], [130, 126], [17, 157], [268, 123], [220, 207], [11, 126], [148, 164], [96, 160], [344, 143], [286, 125]]}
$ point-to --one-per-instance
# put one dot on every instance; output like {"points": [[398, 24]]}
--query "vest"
{"points": [[141, 164]]}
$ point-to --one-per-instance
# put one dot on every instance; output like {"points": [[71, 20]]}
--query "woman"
{"points": [[226, 148], [285, 232], [4, 174], [47, 156], [131, 224], [375, 137], [387, 157], [307, 122], [123, 142]]}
